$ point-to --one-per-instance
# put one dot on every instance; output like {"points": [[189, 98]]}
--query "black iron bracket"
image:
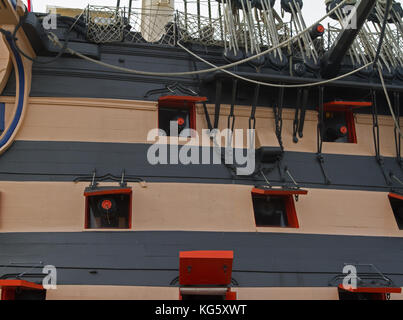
{"points": [[252, 118], [207, 115], [381, 163], [301, 124], [172, 88], [398, 139], [321, 161], [231, 116], [280, 171], [372, 278], [278, 117], [94, 179], [217, 108], [320, 157], [297, 116], [395, 178], [376, 137]]}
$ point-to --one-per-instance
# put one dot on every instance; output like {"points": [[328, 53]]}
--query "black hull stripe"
{"points": [[63, 161], [72, 77], [151, 258]]}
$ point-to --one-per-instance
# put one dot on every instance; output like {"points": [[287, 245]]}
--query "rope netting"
{"points": [[166, 26]]}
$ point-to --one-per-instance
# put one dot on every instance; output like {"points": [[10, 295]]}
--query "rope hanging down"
{"points": [[398, 140], [376, 138], [300, 112], [320, 130], [278, 118], [296, 117], [231, 116]]}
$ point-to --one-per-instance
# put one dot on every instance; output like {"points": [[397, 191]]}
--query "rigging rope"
{"points": [[278, 118], [375, 63], [385, 90], [231, 116], [376, 138], [273, 84], [398, 140], [320, 129], [375, 126], [54, 38], [383, 31]]}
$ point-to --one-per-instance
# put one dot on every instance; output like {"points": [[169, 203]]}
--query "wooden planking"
{"points": [[59, 206], [125, 121], [68, 292]]}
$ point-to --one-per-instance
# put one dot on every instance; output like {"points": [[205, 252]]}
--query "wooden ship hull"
{"points": [[73, 130]]}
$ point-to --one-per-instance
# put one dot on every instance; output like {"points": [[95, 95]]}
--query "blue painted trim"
{"points": [[20, 106], [2, 117]]}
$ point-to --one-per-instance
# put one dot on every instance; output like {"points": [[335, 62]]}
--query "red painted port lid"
{"points": [[15, 283], [395, 196], [334, 106], [371, 289], [279, 192], [180, 100], [205, 268]]}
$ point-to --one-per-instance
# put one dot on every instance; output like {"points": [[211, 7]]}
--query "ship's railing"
{"points": [[200, 30], [104, 24], [212, 32], [111, 24]]}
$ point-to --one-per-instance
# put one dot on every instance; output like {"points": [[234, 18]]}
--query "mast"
{"points": [[333, 58], [155, 16]]}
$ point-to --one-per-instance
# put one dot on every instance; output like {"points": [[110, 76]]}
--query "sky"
{"points": [[313, 10]]}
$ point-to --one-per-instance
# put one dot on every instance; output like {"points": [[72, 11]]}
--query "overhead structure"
{"points": [[363, 49], [305, 43], [155, 18], [332, 60], [252, 31], [250, 26]]}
